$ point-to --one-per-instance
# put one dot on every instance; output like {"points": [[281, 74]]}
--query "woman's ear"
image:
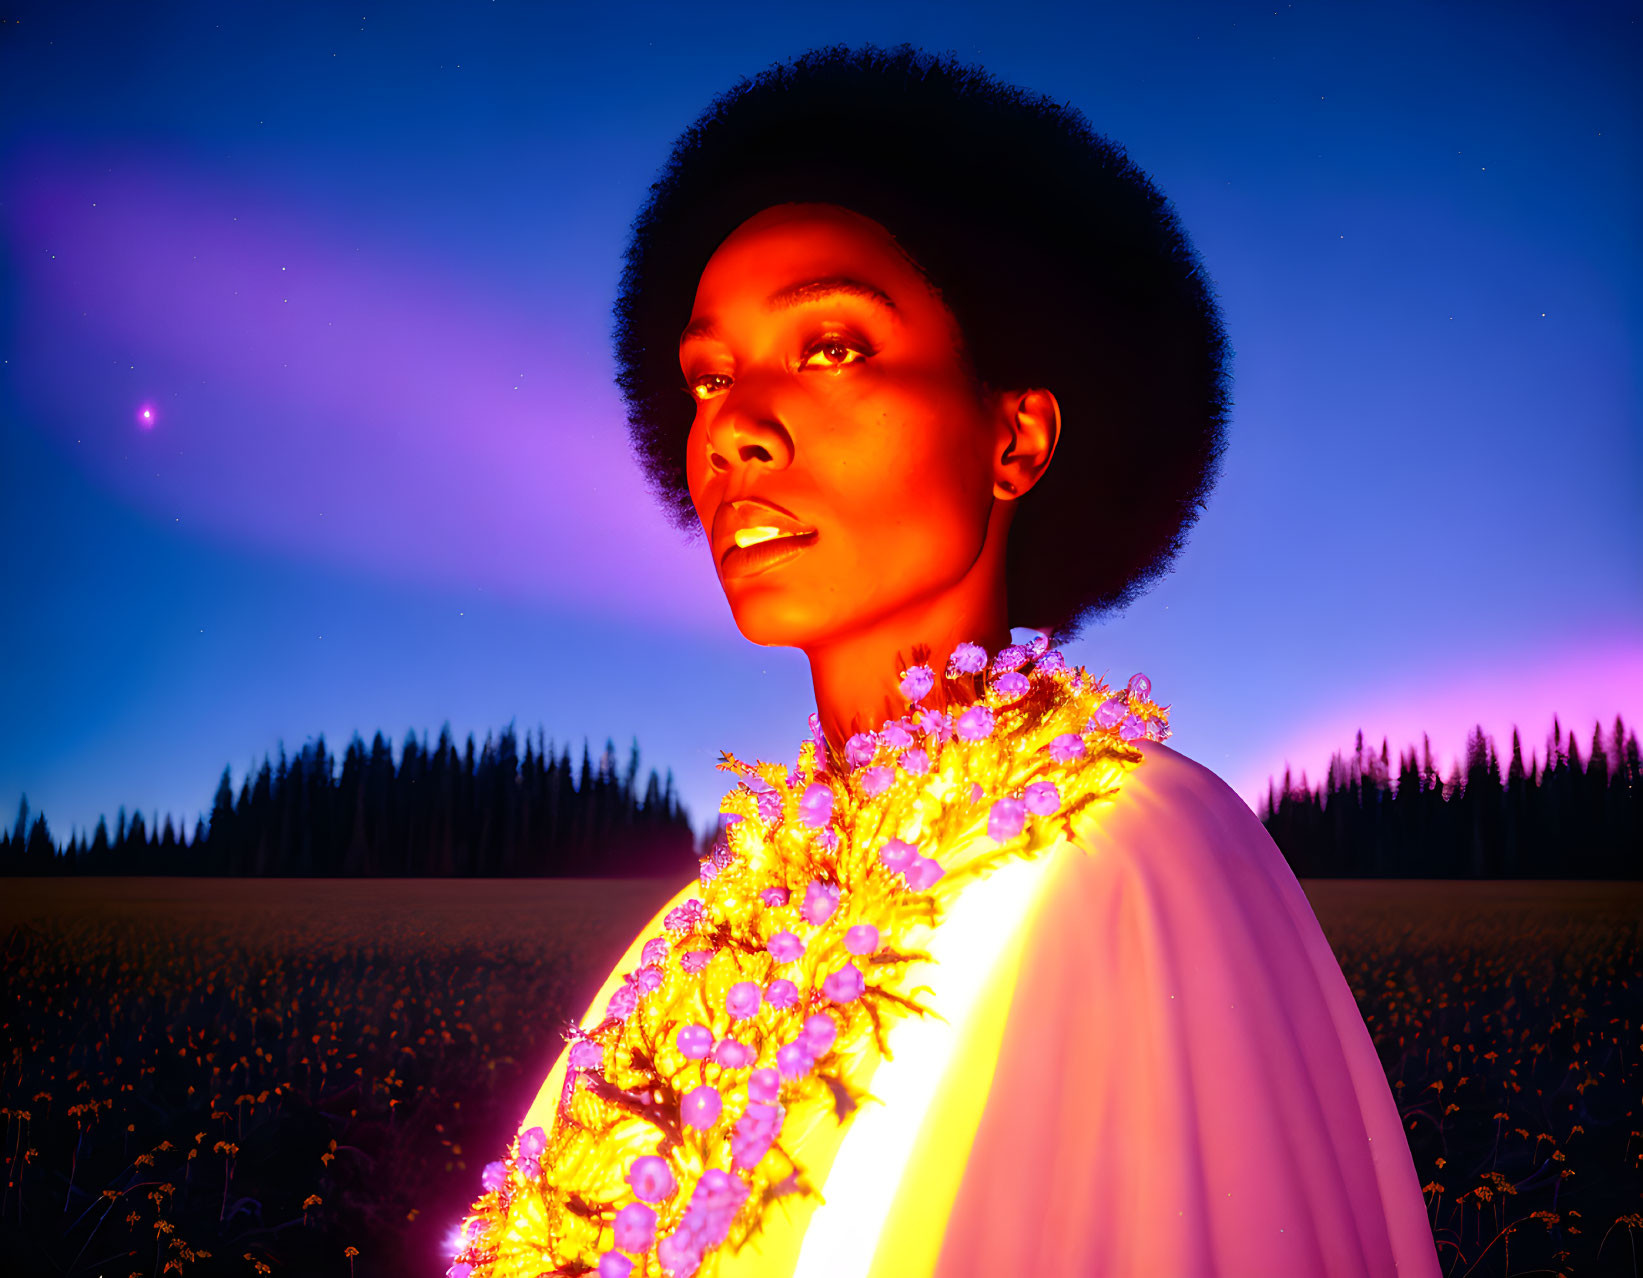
{"points": [[1030, 427]]}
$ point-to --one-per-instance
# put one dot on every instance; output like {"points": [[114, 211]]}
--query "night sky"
{"points": [[357, 264]]}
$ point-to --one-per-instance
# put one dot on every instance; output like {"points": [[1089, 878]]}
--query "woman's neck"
{"points": [[857, 678]]}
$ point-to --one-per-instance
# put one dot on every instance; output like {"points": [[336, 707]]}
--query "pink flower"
{"points": [[1067, 747], [586, 1054], [1011, 658], [895, 736], [1011, 686], [460, 1270], [733, 1055], [1051, 663], [781, 994], [622, 1003], [694, 1042], [816, 804], [1004, 822], [635, 1227], [828, 840], [845, 985], [695, 960], [742, 1000], [923, 873], [784, 947], [648, 979], [532, 1143], [917, 682], [764, 1085], [916, 761], [967, 658], [651, 1178], [875, 781], [701, 1106], [1139, 685], [684, 917], [755, 1130], [975, 724], [936, 723], [862, 939], [1039, 645], [613, 1264], [493, 1177], [1131, 728], [770, 805], [897, 855], [1042, 798], [1112, 710], [819, 740], [819, 1032], [775, 897], [820, 900], [655, 950], [794, 1059], [859, 749]]}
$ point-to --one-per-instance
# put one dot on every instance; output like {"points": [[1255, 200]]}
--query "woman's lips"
{"points": [[765, 548]]}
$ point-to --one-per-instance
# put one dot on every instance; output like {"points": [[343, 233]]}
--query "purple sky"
{"points": [[361, 269]]}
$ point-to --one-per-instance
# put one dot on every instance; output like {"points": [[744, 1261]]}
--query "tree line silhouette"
{"points": [[442, 812], [1563, 816]]}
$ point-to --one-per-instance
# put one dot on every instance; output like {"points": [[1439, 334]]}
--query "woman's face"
{"points": [[840, 460]]}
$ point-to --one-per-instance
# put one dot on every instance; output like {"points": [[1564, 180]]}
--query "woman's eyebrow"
{"points": [[798, 294]]}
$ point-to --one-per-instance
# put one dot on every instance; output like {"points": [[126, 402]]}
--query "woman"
{"points": [[991, 980]]}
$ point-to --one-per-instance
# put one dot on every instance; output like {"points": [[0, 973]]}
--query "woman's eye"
{"points": [[708, 385], [833, 352]]}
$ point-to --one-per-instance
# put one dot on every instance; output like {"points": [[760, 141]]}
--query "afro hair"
{"points": [[1062, 264]]}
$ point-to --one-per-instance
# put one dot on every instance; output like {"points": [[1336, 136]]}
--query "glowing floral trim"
{"points": [[769, 989]]}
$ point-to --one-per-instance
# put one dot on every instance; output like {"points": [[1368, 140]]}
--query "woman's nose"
{"points": [[747, 432]]}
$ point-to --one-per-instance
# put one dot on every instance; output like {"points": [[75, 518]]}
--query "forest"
{"points": [[494, 811], [445, 811], [1562, 815]]}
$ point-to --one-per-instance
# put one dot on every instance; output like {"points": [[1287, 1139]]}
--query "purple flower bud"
{"points": [[1042, 798], [1139, 685], [684, 917], [754, 1132], [775, 897], [794, 1060], [701, 1106], [820, 900], [897, 855], [975, 724], [784, 947], [1131, 728], [680, 1253], [1067, 747], [862, 939], [859, 749], [845, 985], [1112, 710], [936, 723], [1004, 822], [613, 1264], [781, 994], [532, 1143], [695, 1042], [1011, 686], [655, 950], [770, 805], [917, 682], [648, 979], [875, 781], [742, 1000], [695, 960], [586, 1054], [1051, 663], [635, 1227], [967, 658], [923, 873], [1011, 658], [651, 1178], [820, 1031], [733, 1055], [764, 1085], [895, 736], [816, 804], [493, 1177], [916, 761]]}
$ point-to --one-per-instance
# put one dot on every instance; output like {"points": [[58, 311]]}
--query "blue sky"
{"points": [[358, 263]]}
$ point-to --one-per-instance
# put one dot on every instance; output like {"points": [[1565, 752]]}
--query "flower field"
{"points": [[303, 1077]]}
